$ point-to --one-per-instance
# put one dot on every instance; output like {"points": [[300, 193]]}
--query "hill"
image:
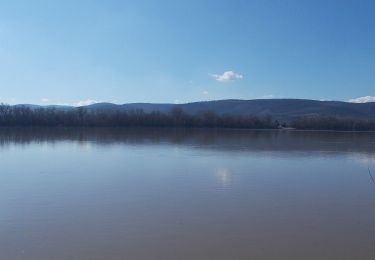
{"points": [[281, 109]]}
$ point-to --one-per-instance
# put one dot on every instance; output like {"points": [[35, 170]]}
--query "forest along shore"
{"points": [[176, 117]]}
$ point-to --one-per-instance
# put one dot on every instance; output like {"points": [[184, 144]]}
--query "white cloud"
{"points": [[205, 92], [270, 96], [80, 103], [363, 99], [84, 102], [227, 76], [45, 100]]}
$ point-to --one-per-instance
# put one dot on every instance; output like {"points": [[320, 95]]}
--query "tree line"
{"points": [[26, 116]]}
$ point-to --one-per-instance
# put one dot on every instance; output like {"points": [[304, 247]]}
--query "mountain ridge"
{"points": [[280, 109]]}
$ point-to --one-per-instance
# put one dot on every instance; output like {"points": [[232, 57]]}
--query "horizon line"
{"points": [[93, 102]]}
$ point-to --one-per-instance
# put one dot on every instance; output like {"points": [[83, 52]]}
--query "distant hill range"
{"points": [[280, 109]]}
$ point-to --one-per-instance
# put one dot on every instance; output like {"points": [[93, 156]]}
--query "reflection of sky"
{"points": [[85, 145], [224, 177], [363, 158]]}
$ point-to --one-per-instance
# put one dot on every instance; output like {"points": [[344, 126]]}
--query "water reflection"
{"points": [[364, 158], [117, 193], [216, 139], [224, 177]]}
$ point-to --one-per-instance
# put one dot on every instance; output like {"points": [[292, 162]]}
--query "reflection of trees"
{"points": [[333, 123], [362, 144]]}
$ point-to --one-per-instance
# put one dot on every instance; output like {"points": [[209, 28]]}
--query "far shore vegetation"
{"points": [[26, 116]]}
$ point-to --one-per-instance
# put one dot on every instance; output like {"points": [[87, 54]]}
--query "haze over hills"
{"points": [[281, 109]]}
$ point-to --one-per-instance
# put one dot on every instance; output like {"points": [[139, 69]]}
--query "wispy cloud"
{"points": [[269, 96], [80, 103], [227, 76], [363, 99], [84, 102]]}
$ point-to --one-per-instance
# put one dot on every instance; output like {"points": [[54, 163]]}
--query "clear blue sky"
{"points": [[178, 51]]}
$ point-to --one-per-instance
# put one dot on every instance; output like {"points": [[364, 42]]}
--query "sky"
{"points": [[79, 51]]}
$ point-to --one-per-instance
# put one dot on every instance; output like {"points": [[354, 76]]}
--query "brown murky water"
{"points": [[186, 194]]}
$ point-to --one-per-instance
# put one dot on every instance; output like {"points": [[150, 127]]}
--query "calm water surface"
{"points": [[179, 194]]}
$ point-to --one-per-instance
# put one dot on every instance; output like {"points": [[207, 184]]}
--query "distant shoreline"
{"points": [[175, 118], [179, 128]]}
